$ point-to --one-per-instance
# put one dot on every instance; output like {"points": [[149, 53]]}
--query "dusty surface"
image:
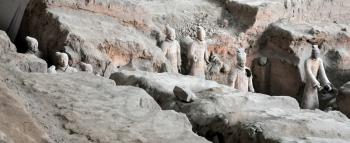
{"points": [[224, 114], [82, 107], [16, 124]]}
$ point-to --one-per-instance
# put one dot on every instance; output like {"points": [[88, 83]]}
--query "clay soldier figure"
{"points": [[241, 76], [32, 44], [198, 54], [314, 68], [62, 63], [171, 50]]}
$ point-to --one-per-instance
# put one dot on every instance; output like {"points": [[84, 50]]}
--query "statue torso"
{"points": [[171, 51], [314, 65], [199, 48], [242, 80]]}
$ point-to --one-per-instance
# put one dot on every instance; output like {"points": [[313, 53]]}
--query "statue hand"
{"points": [[317, 84], [327, 87]]}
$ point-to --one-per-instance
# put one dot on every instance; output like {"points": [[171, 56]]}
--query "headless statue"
{"points": [[62, 63], [198, 54], [314, 68], [171, 50], [240, 76], [86, 67], [32, 44]]}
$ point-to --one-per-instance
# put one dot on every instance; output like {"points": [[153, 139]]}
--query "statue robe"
{"points": [[198, 56]]}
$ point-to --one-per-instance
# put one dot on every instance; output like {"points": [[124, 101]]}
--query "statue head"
{"points": [[241, 57], [62, 59], [315, 52], [170, 33], [200, 33], [32, 44]]}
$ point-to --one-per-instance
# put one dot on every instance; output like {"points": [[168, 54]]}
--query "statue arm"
{"points": [[322, 74], [310, 75], [164, 48]]}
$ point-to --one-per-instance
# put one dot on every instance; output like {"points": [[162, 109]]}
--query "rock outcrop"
{"points": [[343, 99], [16, 124], [222, 114], [81, 107], [255, 15], [25, 62]]}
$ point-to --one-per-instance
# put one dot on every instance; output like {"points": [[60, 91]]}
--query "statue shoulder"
{"points": [[308, 61]]}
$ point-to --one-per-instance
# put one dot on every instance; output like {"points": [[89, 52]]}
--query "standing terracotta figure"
{"points": [[62, 63], [171, 50], [198, 54], [314, 68], [241, 76]]}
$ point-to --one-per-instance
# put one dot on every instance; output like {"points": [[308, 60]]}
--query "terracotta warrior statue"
{"points": [[314, 68], [198, 55], [171, 50], [62, 63], [240, 76], [32, 44]]}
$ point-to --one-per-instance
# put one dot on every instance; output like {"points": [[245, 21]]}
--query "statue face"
{"points": [[241, 57], [63, 60], [201, 33], [315, 52], [32, 44], [171, 35]]}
